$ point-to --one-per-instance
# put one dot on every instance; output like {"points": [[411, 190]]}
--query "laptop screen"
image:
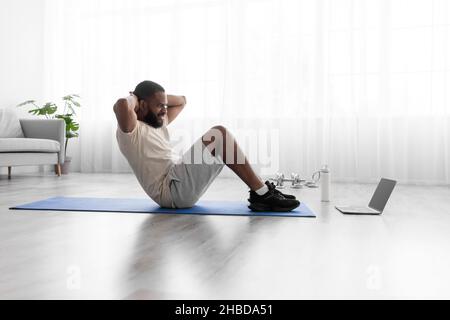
{"points": [[382, 194]]}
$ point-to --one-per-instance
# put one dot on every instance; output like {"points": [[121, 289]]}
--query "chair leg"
{"points": [[9, 173], [58, 169]]}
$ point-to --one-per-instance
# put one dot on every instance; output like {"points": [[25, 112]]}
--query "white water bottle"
{"points": [[325, 184]]}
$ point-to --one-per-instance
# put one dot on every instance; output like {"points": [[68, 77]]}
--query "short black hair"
{"points": [[147, 89]]}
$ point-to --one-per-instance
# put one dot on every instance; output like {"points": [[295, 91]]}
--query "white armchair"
{"points": [[30, 142]]}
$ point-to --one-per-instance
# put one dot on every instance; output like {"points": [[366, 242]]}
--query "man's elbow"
{"points": [[183, 104], [119, 104]]}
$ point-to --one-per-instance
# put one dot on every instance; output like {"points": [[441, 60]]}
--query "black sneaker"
{"points": [[271, 185], [271, 201]]}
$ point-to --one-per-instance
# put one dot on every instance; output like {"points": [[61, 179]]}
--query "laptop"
{"points": [[378, 202]]}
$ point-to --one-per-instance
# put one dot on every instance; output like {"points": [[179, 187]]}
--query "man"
{"points": [[143, 139]]}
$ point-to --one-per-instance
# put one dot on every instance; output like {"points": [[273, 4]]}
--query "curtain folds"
{"points": [[360, 85]]}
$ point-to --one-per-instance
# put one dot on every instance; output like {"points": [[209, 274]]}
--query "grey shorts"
{"points": [[191, 178]]}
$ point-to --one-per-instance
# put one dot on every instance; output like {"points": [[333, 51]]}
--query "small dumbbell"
{"points": [[279, 180], [296, 181]]}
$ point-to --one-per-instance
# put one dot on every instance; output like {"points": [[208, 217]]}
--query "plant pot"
{"points": [[65, 168]]}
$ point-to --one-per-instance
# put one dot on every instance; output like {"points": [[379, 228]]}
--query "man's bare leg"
{"points": [[264, 198], [236, 159]]}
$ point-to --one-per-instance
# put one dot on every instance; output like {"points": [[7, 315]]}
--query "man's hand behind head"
{"points": [[133, 102]]}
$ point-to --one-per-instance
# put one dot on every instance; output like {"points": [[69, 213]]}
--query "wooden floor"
{"points": [[405, 253]]}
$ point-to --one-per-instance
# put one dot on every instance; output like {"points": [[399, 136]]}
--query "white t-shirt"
{"points": [[149, 154]]}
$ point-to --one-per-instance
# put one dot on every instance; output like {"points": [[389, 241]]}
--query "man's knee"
{"points": [[218, 139], [216, 134], [221, 129]]}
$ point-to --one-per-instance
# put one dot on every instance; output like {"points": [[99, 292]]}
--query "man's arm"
{"points": [[175, 104], [125, 110]]}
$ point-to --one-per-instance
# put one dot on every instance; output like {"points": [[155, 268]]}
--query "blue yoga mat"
{"points": [[226, 208]]}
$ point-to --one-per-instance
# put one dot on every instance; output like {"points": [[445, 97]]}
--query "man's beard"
{"points": [[152, 120]]}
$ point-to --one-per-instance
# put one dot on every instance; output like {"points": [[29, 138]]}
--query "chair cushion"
{"points": [[28, 145], [9, 124]]}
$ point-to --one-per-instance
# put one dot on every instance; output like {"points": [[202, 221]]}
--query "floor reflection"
{"points": [[176, 256]]}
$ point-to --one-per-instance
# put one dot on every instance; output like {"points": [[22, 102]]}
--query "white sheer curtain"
{"points": [[361, 85]]}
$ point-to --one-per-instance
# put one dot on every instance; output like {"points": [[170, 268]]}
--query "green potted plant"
{"points": [[49, 111]]}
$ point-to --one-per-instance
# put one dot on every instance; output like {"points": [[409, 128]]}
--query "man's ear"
{"points": [[142, 105]]}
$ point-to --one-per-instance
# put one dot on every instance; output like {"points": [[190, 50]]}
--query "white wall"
{"points": [[21, 55]]}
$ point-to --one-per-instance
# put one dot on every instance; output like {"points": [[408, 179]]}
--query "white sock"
{"points": [[262, 191]]}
